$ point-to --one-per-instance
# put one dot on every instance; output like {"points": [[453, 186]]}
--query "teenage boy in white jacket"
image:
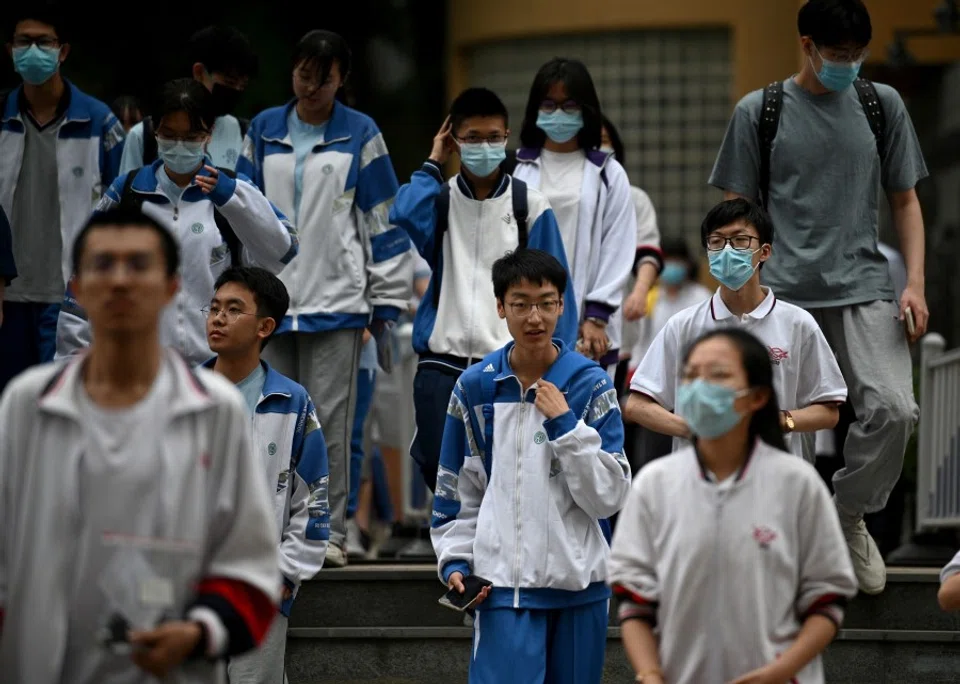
{"points": [[133, 507], [247, 306], [532, 459]]}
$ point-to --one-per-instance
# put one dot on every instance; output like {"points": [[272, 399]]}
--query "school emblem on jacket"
{"points": [[777, 355], [272, 448], [327, 169], [231, 157], [764, 536], [78, 171], [197, 228], [540, 437]]}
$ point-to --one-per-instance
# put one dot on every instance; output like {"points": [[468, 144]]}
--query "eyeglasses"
{"points": [[524, 309], [845, 56], [569, 106], [495, 139], [40, 41], [741, 243], [189, 137], [232, 314]]}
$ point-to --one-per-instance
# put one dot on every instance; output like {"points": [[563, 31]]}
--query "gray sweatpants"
{"points": [[326, 364], [874, 357], [265, 664]]}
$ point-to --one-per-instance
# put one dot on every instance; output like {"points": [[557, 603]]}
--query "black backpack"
{"points": [[770, 121], [520, 212], [130, 199], [150, 138]]}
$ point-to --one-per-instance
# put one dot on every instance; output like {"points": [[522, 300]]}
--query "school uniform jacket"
{"points": [[518, 496], [353, 264], [466, 325], [729, 571], [287, 439], [223, 511], [268, 240]]}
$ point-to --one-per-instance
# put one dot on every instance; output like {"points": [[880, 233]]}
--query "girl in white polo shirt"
{"points": [[728, 557], [738, 235]]}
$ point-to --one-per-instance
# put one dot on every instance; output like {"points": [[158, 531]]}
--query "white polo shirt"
{"points": [[805, 370]]}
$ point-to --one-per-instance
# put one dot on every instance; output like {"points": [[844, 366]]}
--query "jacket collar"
{"points": [[275, 385], [531, 155], [565, 367], [74, 104], [146, 182], [720, 312], [190, 394], [338, 125], [468, 189]]}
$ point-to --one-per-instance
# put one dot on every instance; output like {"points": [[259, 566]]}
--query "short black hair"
{"points": [[323, 48], [49, 12], [477, 102], [124, 104], [185, 95], [123, 217], [223, 50], [615, 140], [574, 75], [532, 265], [677, 248], [269, 293], [835, 23], [735, 211]]}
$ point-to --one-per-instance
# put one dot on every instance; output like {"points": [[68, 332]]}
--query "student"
{"points": [[821, 186], [247, 307], [751, 516], [949, 594], [456, 323], [738, 236], [59, 148], [648, 259], [326, 166], [218, 219], [128, 112], [140, 512], [532, 459], [222, 59], [590, 195]]}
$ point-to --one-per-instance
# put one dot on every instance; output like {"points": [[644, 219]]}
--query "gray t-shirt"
{"points": [[825, 180], [35, 218]]}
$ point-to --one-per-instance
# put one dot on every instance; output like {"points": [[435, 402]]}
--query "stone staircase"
{"points": [[382, 623]]}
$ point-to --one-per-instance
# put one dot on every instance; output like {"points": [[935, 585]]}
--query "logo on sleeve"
{"points": [[764, 536], [777, 355]]}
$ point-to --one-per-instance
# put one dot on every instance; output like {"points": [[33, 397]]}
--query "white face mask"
{"points": [[180, 156]]}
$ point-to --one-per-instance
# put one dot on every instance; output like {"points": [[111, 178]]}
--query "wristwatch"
{"points": [[788, 423]]}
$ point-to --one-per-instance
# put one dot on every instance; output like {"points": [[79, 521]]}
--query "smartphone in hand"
{"points": [[909, 321], [472, 586]]}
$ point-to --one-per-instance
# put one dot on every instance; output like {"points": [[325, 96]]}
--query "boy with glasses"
{"points": [[817, 158], [532, 458], [738, 236], [461, 227]]}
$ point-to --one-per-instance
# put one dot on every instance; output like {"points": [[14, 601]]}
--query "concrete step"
{"points": [[404, 595], [440, 655]]}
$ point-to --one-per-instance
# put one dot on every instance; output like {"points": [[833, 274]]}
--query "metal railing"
{"points": [[938, 438]]}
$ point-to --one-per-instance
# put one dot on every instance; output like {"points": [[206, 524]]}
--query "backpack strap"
{"points": [[767, 131], [873, 108], [128, 196], [488, 387], [244, 126], [226, 230], [521, 210], [442, 205], [149, 142]]}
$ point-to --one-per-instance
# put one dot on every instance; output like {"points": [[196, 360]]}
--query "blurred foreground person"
{"points": [[138, 536]]}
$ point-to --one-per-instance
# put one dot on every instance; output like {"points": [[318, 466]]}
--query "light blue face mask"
{"points": [[708, 408], [180, 156], [732, 267], [837, 76], [673, 273], [560, 126], [482, 159], [35, 64]]}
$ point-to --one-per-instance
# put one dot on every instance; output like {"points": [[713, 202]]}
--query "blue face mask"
{"points": [[837, 76], [708, 408], [179, 156], [35, 64], [482, 159], [732, 267], [673, 273], [560, 126]]}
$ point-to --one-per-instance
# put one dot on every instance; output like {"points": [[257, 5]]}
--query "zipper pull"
{"points": [[176, 212]]}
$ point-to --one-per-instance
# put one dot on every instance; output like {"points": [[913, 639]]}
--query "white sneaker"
{"points": [[336, 556], [868, 565], [380, 533], [354, 540]]}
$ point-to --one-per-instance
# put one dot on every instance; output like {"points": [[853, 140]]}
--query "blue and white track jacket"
{"points": [[518, 496], [89, 147], [286, 436], [466, 324], [353, 264]]}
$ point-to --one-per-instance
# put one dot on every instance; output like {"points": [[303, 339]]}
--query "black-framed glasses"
{"points": [[741, 243], [525, 309], [495, 139], [188, 138], [568, 106], [231, 313], [39, 41]]}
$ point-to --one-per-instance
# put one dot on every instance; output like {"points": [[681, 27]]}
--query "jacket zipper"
{"points": [[516, 497]]}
